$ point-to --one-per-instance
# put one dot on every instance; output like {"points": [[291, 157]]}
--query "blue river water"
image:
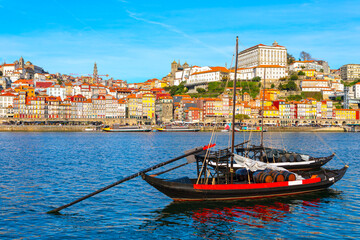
{"points": [[41, 171]]}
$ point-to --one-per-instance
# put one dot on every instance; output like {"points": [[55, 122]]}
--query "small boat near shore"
{"points": [[126, 129], [177, 129]]}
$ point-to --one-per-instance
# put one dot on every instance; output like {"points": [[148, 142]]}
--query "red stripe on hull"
{"points": [[243, 198], [250, 186]]}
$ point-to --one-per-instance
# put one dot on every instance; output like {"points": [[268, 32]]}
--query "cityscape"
{"points": [[184, 119], [289, 88]]}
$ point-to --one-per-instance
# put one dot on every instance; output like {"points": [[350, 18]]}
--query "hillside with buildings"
{"points": [[293, 89]]}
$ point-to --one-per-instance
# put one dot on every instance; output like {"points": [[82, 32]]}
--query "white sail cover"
{"points": [[253, 165]]}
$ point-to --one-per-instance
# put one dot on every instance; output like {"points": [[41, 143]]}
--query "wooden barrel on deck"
{"points": [[288, 176], [242, 174], [262, 177], [297, 157], [276, 175]]}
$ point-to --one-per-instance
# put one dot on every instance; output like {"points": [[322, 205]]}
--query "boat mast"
{"points": [[262, 112], [233, 111]]}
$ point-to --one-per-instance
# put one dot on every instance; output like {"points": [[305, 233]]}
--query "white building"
{"points": [[184, 75], [6, 100], [306, 65], [212, 74], [263, 55], [356, 89], [350, 72], [314, 85], [270, 72], [56, 91]]}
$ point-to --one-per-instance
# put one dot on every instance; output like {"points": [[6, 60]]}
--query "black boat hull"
{"points": [[180, 191]]}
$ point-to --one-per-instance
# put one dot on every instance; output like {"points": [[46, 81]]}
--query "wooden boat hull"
{"points": [[126, 130], [187, 190], [178, 130]]}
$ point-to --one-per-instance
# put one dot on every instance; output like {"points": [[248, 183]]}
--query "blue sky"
{"points": [[137, 40]]}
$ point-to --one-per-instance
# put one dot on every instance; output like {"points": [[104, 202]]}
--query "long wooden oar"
{"points": [[195, 150]]}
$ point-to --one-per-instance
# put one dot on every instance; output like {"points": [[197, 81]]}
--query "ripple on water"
{"points": [[40, 171]]}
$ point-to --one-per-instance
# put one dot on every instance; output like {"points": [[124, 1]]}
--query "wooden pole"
{"points": [[196, 150], [233, 116]]}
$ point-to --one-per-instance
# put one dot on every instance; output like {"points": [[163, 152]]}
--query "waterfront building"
{"points": [[194, 115], [148, 106], [99, 106], [6, 100], [122, 109], [53, 106], [283, 107], [350, 72], [164, 109], [135, 110], [36, 107], [111, 107], [346, 114], [271, 112]]}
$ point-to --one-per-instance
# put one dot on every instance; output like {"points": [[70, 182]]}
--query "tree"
{"points": [[301, 73], [305, 56], [290, 59], [322, 70], [294, 77], [256, 79], [241, 117], [272, 85], [1, 73], [201, 90], [292, 86]]}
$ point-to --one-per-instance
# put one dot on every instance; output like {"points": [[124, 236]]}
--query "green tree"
{"points": [[322, 70], [272, 85], [294, 77], [301, 73], [292, 86], [241, 117], [201, 90], [256, 79]]}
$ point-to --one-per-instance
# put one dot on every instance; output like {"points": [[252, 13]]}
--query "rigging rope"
{"points": [[325, 143]]}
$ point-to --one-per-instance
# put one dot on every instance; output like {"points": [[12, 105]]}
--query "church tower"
{"points": [[21, 62], [95, 74]]}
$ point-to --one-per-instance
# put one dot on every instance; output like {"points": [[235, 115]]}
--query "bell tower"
{"points": [[95, 74]]}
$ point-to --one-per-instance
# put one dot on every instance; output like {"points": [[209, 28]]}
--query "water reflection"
{"points": [[228, 220]]}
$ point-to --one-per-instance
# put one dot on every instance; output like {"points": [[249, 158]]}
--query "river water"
{"points": [[41, 171]]}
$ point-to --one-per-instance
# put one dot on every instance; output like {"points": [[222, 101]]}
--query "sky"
{"points": [[137, 40]]}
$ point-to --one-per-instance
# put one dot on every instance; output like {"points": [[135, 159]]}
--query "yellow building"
{"points": [[346, 114], [270, 94], [30, 91], [309, 72], [271, 112], [148, 105], [133, 106]]}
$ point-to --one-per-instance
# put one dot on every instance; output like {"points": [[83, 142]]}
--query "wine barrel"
{"points": [[262, 177], [288, 176], [283, 158], [241, 174], [290, 157], [297, 157], [276, 175]]}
